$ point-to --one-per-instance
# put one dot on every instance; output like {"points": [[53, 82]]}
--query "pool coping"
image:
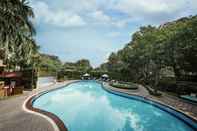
{"points": [[56, 122], [60, 126]]}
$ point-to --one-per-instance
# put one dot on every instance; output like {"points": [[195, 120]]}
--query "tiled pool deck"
{"points": [[14, 118]]}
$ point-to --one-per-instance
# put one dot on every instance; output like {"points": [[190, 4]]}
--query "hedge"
{"points": [[130, 86]]}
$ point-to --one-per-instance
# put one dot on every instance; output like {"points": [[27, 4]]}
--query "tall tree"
{"points": [[169, 46]]}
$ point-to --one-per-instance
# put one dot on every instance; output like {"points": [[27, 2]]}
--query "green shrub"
{"points": [[131, 86], [155, 93]]}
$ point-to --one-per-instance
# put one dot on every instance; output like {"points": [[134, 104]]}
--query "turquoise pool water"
{"points": [[85, 106]]}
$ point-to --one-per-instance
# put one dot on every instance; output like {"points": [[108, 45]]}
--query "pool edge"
{"points": [[56, 122]]}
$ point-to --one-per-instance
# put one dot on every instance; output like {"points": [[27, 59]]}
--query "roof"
{"points": [[11, 75]]}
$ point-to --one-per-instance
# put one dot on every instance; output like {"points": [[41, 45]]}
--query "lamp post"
{"points": [[34, 62]]}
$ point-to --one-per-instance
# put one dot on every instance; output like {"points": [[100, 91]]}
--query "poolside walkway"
{"points": [[14, 118], [175, 102]]}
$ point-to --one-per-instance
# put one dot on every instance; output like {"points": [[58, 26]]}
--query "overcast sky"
{"points": [[92, 29]]}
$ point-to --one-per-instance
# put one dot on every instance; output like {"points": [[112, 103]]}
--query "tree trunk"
{"points": [[156, 81], [176, 72]]}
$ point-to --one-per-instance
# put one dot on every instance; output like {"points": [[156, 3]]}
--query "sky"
{"points": [[92, 29]]}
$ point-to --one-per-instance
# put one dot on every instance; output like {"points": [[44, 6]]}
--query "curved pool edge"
{"points": [[169, 109], [55, 121], [57, 124]]}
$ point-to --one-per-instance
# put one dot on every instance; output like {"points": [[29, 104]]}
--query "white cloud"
{"points": [[70, 14], [144, 6], [154, 10], [60, 17], [77, 6], [114, 34], [100, 16], [120, 23], [80, 12]]}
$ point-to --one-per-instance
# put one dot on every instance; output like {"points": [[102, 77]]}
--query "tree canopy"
{"points": [[49, 65], [171, 47], [82, 65]]}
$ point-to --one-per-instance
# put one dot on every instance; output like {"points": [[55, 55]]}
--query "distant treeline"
{"points": [[48, 65]]}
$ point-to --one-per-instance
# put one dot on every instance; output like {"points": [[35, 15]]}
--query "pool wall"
{"points": [[62, 127]]}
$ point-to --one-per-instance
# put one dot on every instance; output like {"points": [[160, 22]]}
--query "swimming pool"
{"points": [[86, 106]]}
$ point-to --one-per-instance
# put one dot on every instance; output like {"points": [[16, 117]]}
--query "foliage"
{"points": [[130, 86], [82, 65], [74, 70], [19, 50], [16, 34], [48, 65], [152, 91], [97, 73], [153, 49]]}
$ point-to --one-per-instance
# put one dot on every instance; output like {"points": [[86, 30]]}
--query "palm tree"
{"points": [[16, 31], [15, 17]]}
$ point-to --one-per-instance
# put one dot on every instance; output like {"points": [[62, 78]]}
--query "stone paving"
{"points": [[14, 118], [179, 104]]}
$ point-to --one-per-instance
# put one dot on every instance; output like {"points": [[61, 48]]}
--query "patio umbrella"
{"points": [[105, 76], [86, 75]]}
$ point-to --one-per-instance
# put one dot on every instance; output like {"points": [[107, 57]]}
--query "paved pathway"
{"points": [[14, 118], [179, 104]]}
